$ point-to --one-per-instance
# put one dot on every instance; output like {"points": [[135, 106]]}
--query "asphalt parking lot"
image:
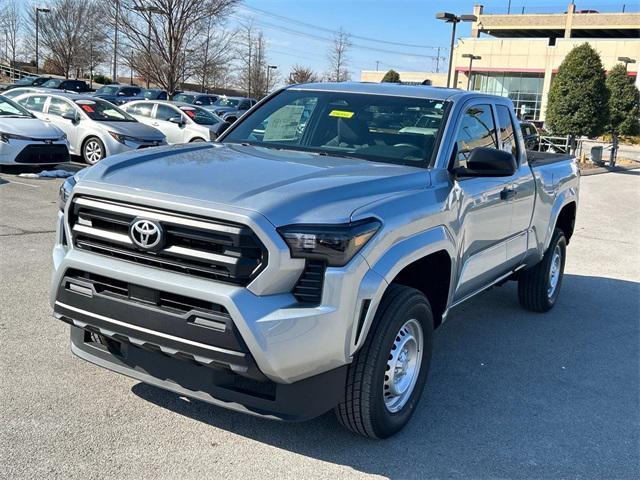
{"points": [[511, 394]]}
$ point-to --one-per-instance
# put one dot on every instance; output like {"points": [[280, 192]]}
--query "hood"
{"points": [[286, 187], [29, 127], [105, 96], [134, 129]]}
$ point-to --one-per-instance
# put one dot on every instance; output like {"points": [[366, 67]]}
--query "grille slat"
{"points": [[56, 153], [193, 246], [308, 289]]}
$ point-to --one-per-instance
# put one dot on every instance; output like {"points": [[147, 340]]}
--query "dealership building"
{"points": [[517, 54]]}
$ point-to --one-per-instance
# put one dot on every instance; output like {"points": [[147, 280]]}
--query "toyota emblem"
{"points": [[146, 234]]}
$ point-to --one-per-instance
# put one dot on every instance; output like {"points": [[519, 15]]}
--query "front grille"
{"points": [[166, 301], [195, 246], [43, 154], [308, 289]]}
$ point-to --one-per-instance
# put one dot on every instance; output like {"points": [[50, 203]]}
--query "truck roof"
{"points": [[394, 89]]}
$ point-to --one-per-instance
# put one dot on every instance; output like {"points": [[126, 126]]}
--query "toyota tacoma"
{"points": [[301, 262]]}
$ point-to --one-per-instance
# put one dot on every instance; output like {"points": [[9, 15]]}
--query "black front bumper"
{"points": [[166, 349]]}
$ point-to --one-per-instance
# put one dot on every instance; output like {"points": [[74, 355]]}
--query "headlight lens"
{"points": [[5, 137], [124, 138], [65, 191], [335, 244]]}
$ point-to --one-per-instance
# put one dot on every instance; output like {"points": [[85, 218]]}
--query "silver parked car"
{"points": [[95, 128], [179, 122], [25, 139]]}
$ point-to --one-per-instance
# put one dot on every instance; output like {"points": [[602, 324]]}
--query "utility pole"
{"points": [[115, 43], [377, 63], [438, 61]]}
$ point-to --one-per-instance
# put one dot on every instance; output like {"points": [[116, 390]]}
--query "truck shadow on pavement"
{"points": [[510, 394]]}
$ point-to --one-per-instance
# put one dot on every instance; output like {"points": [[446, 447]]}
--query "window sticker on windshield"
{"points": [[341, 114], [190, 113], [87, 108], [283, 124]]}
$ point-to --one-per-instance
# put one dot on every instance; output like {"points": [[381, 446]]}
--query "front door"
{"points": [[175, 133], [485, 212], [58, 107]]}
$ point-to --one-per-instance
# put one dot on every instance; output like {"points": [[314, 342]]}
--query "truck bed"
{"points": [[537, 159]]}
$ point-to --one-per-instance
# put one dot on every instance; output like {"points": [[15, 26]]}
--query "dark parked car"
{"points": [[196, 98], [25, 82], [232, 108], [119, 94], [77, 86], [154, 94], [531, 136]]}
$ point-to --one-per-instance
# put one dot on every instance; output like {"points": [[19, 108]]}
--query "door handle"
{"points": [[508, 193], [155, 124]]}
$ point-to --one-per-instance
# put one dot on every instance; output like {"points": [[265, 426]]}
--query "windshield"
{"points": [[201, 116], [53, 83], [12, 110], [183, 97], [151, 94], [102, 111], [107, 90], [25, 81], [372, 127], [227, 102]]}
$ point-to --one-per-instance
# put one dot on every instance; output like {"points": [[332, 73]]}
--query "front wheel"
{"points": [[539, 287], [387, 376], [93, 150]]}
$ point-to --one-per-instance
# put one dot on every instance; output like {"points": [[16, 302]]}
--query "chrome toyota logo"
{"points": [[146, 234]]}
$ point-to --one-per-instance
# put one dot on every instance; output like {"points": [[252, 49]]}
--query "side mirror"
{"points": [[488, 162], [122, 94], [70, 116], [218, 129], [177, 120]]}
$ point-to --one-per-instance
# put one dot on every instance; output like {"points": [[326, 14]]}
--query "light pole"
{"points": [[453, 20], [38, 11], [269, 68], [626, 61], [150, 11], [115, 43], [471, 59]]}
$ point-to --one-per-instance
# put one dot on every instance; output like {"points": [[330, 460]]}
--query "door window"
{"points": [[59, 107], [165, 112], [507, 133], [34, 103], [203, 101], [476, 130], [142, 109]]}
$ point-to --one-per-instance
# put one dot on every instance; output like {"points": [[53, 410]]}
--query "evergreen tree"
{"points": [[391, 77], [624, 100], [578, 99]]}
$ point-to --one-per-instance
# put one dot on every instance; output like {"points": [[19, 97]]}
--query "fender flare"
{"points": [[565, 197]]}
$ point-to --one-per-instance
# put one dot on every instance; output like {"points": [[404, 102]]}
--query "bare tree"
{"points": [[11, 23], [252, 54], [158, 32], [300, 74], [64, 35], [338, 58], [212, 68]]}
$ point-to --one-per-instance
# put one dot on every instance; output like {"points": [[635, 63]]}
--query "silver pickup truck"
{"points": [[301, 262]]}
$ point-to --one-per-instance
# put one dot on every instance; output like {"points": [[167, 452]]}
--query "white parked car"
{"points": [[26, 140], [16, 92], [180, 122], [95, 128]]}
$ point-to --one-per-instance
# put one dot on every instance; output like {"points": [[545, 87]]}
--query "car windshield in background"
{"points": [[227, 102], [25, 81], [181, 97], [201, 116], [101, 111], [150, 94], [379, 128], [53, 83], [12, 109], [107, 90]]}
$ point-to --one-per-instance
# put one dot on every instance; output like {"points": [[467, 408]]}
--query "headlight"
{"points": [[124, 138], [65, 191], [335, 244], [5, 137]]}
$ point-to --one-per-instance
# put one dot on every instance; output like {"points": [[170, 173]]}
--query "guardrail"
{"points": [[11, 72]]}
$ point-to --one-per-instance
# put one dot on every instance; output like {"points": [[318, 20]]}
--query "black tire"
{"points": [[535, 290], [93, 150], [364, 410], [197, 139]]}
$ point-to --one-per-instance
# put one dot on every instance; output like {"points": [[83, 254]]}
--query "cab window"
{"points": [[477, 129], [506, 131], [34, 103], [59, 107], [142, 109], [165, 112]]}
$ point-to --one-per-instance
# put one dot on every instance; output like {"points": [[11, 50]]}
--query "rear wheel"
{"points": [[539, 287], [93, 150], [387, 376]]}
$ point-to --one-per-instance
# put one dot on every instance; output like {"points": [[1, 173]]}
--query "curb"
{"points": [[599, 170]]}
